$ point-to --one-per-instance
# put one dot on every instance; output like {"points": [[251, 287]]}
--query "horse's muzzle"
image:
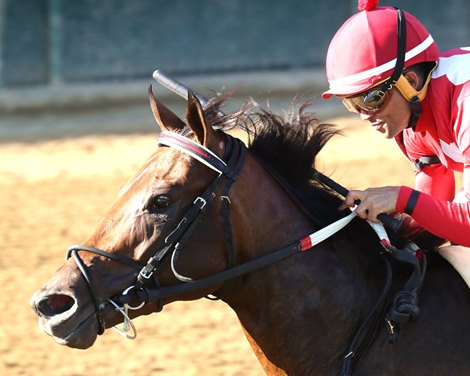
{"points": [[64, 318]]}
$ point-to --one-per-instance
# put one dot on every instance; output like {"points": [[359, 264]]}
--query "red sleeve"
{"points": [[448, 220]]}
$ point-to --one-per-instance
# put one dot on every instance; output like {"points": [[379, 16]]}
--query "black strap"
{"points": [[240, 152], [416, 111], [401, 50], [237, 271], [113, 256], [179, 236], [365, 334], [91, 288], [404, 306], [425, 161], [410, 205]]}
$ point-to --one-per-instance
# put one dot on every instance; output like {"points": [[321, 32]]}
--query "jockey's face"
{"points": [[393, 116]]}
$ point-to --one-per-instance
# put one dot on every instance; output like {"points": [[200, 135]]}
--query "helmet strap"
{"points": [[416, 110], [401, 50]]}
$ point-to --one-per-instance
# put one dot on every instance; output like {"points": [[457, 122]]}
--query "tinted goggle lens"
{"points": [[370, 102]]}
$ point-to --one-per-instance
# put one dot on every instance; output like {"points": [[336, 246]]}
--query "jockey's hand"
{"points": [[372, 202]]}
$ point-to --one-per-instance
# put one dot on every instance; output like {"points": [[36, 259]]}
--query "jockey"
{"points": [[387, 68]]}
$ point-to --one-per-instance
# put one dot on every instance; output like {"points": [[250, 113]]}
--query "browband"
{"points": [[195, 150]]}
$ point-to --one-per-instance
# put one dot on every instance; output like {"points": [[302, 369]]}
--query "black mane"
{"points": [[287, 146]]}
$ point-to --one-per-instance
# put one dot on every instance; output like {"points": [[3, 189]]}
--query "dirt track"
{"points": [[52, 194]]}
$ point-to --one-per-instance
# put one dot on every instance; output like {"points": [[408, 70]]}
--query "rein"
{"points": [[144, 293]]}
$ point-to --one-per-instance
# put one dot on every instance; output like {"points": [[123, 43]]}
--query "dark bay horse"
{"points": [[207, 216]]}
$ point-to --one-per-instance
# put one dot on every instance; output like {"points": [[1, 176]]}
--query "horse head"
{"points": [[150, 224]]}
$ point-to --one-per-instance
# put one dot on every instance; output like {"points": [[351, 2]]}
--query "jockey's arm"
{"points": [[439, 182], [439, 215]]}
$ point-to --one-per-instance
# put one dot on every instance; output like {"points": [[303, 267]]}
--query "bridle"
{"points": [[147, 289], [235, 152]]}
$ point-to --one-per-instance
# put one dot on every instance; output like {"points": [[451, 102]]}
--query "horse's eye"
{"points": [[161, 202]]}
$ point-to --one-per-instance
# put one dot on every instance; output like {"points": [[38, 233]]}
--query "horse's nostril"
{"points": [[55, 305]]}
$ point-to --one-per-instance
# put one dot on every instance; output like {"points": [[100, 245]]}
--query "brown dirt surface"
{"points": [[52, 195]]}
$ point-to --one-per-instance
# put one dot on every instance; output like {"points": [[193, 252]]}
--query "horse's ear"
{"points": [[197, 120], [165, 118]]}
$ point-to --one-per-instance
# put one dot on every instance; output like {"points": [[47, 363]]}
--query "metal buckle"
{"points": [[145, 275], [204, 202]]}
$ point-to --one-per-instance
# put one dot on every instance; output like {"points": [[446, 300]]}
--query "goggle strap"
{"points": [[409, 92], [401, 50]]}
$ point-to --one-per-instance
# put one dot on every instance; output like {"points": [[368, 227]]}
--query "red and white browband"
{"points": [[195, 150]]}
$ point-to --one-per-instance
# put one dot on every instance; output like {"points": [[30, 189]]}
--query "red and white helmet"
{"points": [[363, 51]]}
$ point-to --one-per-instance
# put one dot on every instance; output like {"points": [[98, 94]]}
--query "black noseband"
{"points": [[73, 252]]}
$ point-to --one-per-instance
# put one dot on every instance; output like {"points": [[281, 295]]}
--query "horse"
{"points": [[208, 216]]}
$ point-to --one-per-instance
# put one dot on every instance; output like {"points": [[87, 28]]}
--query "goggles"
{"points": [[369, 102]]}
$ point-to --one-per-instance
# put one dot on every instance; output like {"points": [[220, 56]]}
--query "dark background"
{"points": [[45, 42]]}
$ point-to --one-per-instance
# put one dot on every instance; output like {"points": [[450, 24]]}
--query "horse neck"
{"points": [[313, 298], [267, 217]]}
